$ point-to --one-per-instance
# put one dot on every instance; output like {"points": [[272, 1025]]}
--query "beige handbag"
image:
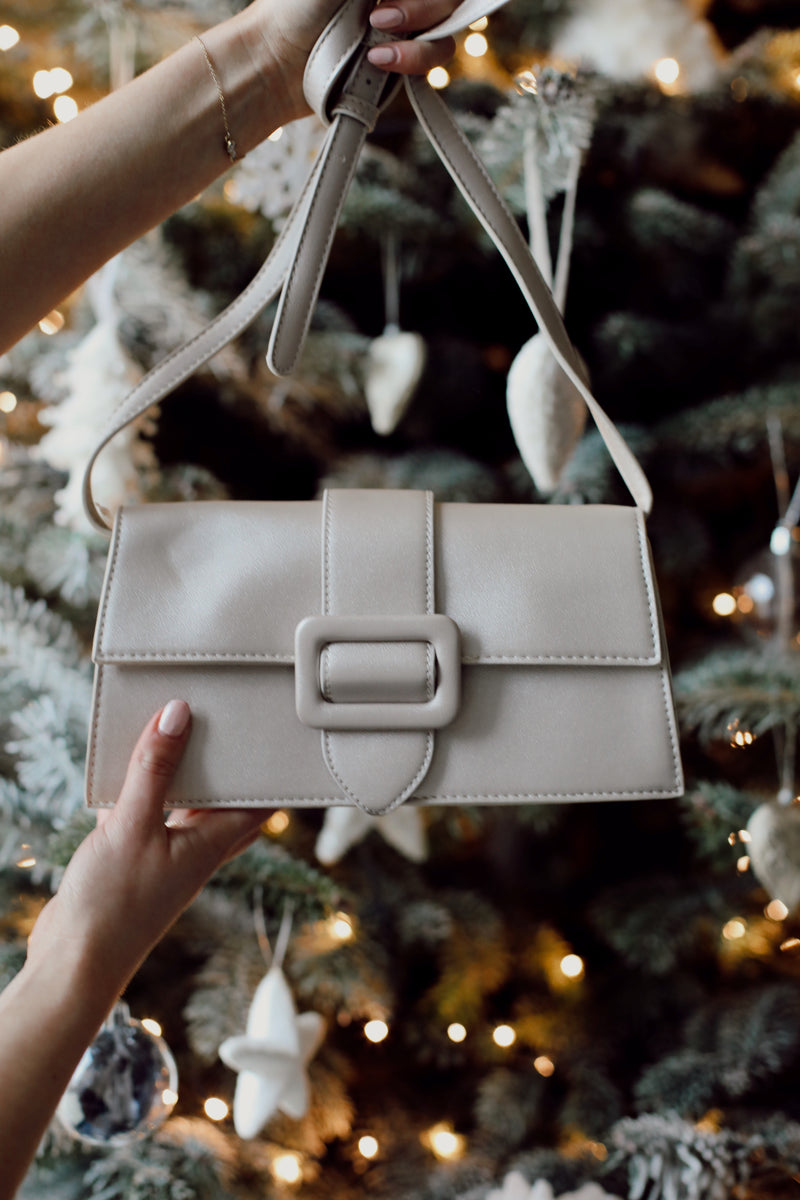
{"points": [[378, 647]]}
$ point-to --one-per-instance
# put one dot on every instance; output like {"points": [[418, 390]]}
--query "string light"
{"points": [[25, 863], [341, 927], [278, 822], [368, 1146], [438, 78], [572, 966], [276, 135], [60, 80], [544, 1065], [734, 929], [8, 37], [479, 25], [744, 836], [776, 910], [8, 402], [215, 1108], [286, 1168], [739, 738], [152, 1026], [504, 1036], [456, 1032], [667, 72], [743, 864], [65, 109], [52, 323], [475, 45], [169, 1098], [376, 1031], [791, 943], [724, 604], [444, 1142]]}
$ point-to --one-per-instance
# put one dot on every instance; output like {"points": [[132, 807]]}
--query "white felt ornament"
{"points": [[394, 361], [345, 826], [516, 1187], [271, 177], [624, 39], [98, 376], [272, 1055], [545, 409], [774, 850]]}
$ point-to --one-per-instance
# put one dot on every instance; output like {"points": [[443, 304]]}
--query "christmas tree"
{"points": [[486, 1004]]}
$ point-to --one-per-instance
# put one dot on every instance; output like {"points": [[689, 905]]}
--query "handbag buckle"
{"points": [[312, 636]]}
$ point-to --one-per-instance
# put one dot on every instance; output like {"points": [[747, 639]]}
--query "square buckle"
{"points": [[313, 634]]}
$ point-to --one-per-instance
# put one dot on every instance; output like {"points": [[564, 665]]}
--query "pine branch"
{"points": [[759, 689]]}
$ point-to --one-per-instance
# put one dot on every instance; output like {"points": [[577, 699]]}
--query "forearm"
{"points": [[76, 194], [48, 1016]]}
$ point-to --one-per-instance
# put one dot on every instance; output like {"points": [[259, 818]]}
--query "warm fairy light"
{"points": [[739, 737], [572, 966], [743, 864], [286, 1168], [438, 78], [731, 839], [8, 402], [791, 943], [744, 836], [776, 910], [60, 80], [475, 45], [42, 85], [368, 1146], [376, 1031], [26, 862], [152, 1026], [215, 1108], [52, 323], [278, 822], [342, 927], [8, 37], [745, 603], [733, 929], [526, 81], [504, 1036], [544, 1065], [724, 604], [169, 1098], [456, 1032], [65, 109], [667, 70], [479, 25], [444, 1142], [780, 543], [276, 135]]}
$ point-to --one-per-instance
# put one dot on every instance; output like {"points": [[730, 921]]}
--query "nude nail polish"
{"points": [[174, 718]]}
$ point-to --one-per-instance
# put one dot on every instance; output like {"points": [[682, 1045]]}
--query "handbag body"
{"points": [[378, 647]]}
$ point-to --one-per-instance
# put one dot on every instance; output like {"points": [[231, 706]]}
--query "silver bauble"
{"points": [[123, 1088]]}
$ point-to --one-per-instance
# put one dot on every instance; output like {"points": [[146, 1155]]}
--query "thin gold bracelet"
{"points": [[230, 144]]}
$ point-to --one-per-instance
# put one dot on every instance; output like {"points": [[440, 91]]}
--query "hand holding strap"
{"points": [[348, 92]]}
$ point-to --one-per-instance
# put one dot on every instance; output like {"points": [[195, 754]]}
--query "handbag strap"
{"points": [[349, 94]]}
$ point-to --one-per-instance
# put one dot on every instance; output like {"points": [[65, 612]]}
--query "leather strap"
{"points": [[346, 91]]}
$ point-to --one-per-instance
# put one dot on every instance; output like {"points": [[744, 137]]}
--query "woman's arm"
{"points": [[78, 193], [126, 884]]}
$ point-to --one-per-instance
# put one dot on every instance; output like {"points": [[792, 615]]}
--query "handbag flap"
{"points": [[525, 584]]}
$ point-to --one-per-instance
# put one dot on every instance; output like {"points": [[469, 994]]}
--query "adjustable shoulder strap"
{"points": [[347, 92]]}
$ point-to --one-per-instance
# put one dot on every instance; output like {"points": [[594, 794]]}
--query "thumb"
{"points": [[153, 764]]}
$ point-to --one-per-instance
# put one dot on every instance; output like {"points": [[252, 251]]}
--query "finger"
{"points": [[213, 836], [153, 764], [408, 16], [412, 57]]}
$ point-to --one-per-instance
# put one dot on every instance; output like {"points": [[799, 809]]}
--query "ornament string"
{"points": [[273, 958], [391, 283], [567, 229], [534, 202], [785, 737]]}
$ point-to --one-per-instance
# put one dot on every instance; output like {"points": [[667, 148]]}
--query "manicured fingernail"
{"points": [[382, 56], [385, 17], [174, 718]]}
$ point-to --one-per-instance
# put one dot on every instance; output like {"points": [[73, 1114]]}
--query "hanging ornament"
{"points": [[271, 177], [395, 360], [124, 1087], [271, 1057], [545, 409], [344, 826], [774, 850]]}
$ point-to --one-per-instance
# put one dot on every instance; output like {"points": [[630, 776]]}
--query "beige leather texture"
{"points": [[564, 684]]}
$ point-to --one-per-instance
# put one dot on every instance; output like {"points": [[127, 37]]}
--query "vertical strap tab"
{"points": [[377, 560]]}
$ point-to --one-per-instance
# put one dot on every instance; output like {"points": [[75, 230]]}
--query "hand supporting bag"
{"points": [[374, 648]]}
